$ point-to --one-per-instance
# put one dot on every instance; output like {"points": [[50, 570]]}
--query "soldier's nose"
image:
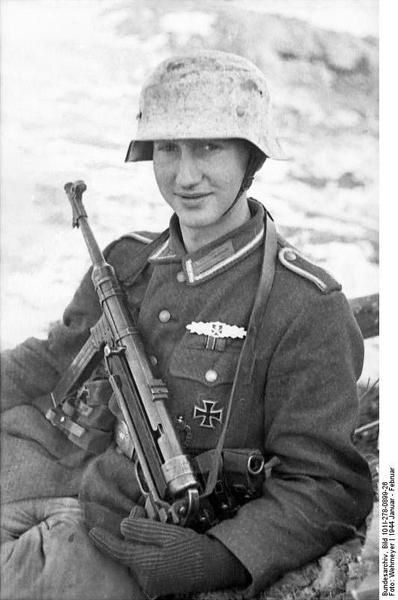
{"points": [[188, 173]]}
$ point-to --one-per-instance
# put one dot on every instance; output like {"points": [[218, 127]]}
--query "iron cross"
{"points": [[208, 414]]}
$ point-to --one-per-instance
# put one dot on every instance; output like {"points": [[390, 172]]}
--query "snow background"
{"points": [[71, 75]]}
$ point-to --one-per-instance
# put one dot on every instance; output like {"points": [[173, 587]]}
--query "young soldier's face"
{"points": [[200, 179]]}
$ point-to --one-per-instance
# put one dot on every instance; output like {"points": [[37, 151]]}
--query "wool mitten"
{"points": [[168, 559]]}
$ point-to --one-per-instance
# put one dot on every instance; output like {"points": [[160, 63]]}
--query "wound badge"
{"points": [[216, 329]]}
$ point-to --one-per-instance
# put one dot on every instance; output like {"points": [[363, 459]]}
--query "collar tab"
{"points": [[221, 257], [208, 261]]}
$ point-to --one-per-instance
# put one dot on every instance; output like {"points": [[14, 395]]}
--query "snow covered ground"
{"points": [[71, 76]]}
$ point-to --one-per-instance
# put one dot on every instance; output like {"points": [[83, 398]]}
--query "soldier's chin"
{"points": [[194, 221]]}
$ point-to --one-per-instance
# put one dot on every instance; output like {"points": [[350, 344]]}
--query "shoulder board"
{"points": [[126, 258], [145, 237], [294, 261]]}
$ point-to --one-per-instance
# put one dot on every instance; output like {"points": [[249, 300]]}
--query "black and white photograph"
{"points": [[190, 283]]}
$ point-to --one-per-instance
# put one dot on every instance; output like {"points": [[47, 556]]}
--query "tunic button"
{"points": [[180, 276], [164, 316], [211, 376], [290, 255], [153, 360]]}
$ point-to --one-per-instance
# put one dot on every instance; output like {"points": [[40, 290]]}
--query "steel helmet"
{"points": [[208, 94]]}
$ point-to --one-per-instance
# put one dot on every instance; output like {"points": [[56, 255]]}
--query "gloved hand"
{"points": [[109, 490], [168, 559]]}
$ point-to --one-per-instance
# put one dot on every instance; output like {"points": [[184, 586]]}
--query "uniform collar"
{"points": [[217, 256]]}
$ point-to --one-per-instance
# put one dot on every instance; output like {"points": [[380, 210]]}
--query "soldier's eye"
{"points": [[211, 146], [207, 148]]}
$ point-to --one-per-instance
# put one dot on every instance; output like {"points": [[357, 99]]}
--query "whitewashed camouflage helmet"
{"points": [[205, 95]]}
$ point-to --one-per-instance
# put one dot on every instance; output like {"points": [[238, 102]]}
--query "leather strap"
{"points": [[246, 360]]}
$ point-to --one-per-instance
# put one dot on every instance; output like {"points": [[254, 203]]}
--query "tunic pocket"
{"points": [[211, 367], [200, 382]]}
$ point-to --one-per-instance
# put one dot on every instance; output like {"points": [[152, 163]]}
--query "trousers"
{"points": [[46, 554]]}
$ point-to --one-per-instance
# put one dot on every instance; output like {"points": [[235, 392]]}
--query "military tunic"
{"points": [[299, 404]]}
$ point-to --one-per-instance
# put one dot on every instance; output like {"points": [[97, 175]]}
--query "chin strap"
{"points": [[255, 162]]}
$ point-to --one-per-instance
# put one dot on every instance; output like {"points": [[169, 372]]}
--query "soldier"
{"points": [[257, 346]]}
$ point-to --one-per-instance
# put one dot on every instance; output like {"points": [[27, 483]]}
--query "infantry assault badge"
{"points": [[216, 329]]}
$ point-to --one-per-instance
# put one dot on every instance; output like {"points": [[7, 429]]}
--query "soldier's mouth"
{"points": [[196, 196], [194, 202]]}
